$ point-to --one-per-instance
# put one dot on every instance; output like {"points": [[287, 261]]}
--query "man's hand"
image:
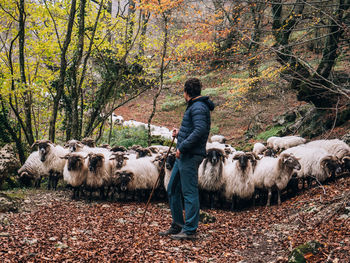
{"points": [[175, 132], [178, 154]]}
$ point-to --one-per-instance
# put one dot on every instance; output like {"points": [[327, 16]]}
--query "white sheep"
{"points": [[33, 168], [272, 173], [138, 174], [75, 172], [210, 178], [237, 177], [218, 138], [50, 155], [335, 147], [315, 163], [98, 174], [75, 146], [259, 148], [282, 143], [117, 119]]}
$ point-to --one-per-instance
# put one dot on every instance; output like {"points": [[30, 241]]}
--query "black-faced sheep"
{"points": [[98, 173], [237, 177], [75, 172], [210, 178], [138, 175]]}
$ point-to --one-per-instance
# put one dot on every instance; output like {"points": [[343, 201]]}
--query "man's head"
{"points": [[192, 88]]}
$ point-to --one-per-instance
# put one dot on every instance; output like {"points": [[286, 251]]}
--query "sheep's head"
{"points": [[170, 161], [118, 149], [215, 156], [106, 146], [331, 165], [123, 178], [143, 152], [346, 163], [290, 161], [95, 161], [119, 158], [44, 147], [153, 149], [89, 142], [75, 161], [242, 159], [270, 152], [73, 145]]}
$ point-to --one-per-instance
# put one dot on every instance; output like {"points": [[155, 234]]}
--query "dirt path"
{"points": [[52, 227]]}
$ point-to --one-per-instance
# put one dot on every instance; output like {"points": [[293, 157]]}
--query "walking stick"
{"points": [[161, 173]]}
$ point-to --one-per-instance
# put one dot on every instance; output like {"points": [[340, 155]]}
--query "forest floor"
{"points": [[51, 227]]}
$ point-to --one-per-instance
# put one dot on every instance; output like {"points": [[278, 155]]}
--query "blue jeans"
{"points": [[184, 180]]}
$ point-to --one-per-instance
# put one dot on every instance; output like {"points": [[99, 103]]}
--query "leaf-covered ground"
{"points": [[52, 227]]}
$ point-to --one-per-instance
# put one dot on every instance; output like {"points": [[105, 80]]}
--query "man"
{"points": [[191, 149]]}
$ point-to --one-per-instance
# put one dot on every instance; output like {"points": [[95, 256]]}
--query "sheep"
{"points": [[237, 174], [282, 143], [315, 163], [75, 172], [118, 149], [259, 148], [89, 142], [274, 173], [137, 175], [335, 147], [98, 173], [218, 138], [74, 146], [270, 140], [33, 168], [169, 165], [117, 119], [210, 179], [346, 164], [50, 156]]}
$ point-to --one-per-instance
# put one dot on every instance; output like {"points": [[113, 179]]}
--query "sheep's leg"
{"points": [[102, 192], [211, 200], [269, 197], [50, 180], [278, 196], [233, 203], [309, 182]]}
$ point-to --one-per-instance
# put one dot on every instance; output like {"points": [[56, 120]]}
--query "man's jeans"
{"points": [[184, 179]]}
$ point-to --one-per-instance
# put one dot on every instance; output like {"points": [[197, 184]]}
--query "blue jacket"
{"points": [[195, 126]]}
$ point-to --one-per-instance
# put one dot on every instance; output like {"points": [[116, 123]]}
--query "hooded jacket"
{"points": [[195, 127]]}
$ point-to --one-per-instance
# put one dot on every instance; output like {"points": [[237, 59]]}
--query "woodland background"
{"points": [[271, 67]]}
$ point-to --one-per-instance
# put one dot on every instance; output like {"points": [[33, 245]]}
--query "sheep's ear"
{"points": [[112, 158]]}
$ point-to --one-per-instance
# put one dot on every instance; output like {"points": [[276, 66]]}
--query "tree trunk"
{"points": [[162, 69], [27, 93], [60, 83]]}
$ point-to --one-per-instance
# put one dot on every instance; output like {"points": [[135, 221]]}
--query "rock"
{"points": [[31, 241], [52, 239], [206, 218], [9, 164], [106, 206], [297, 255], [61, 245], [8, 204]]}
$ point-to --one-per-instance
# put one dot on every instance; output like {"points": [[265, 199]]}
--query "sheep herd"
{"points": [[225, 177]]}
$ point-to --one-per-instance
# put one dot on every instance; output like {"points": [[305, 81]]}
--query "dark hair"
{"points": [[193, 87]]}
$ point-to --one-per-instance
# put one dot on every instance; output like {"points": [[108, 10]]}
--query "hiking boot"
{"points": [[174, 229], [183, 236]]}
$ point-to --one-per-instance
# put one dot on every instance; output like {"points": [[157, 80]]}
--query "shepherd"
{"points": [[191, 150]]}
